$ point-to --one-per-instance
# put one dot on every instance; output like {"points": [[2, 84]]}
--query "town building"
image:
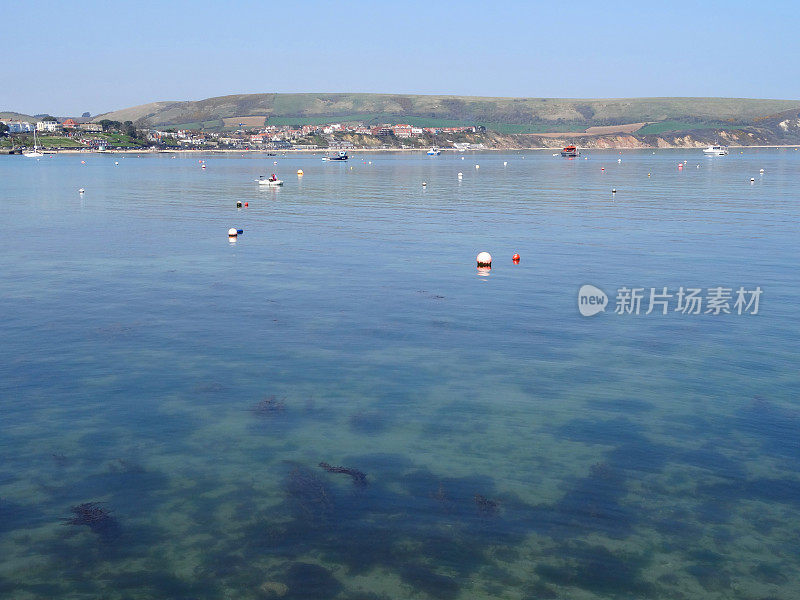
{"points": [[48, 126], [18, 126]]}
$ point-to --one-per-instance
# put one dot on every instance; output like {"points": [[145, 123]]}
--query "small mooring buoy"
{"points": [[116, 162], [238, 204], [752, 179], [300, 172], [246, 204], [477, 166], [505, 163], [460, 175], [424, 184], [484, 259], [619, 160], [613, 190], [233, 232], [761, 170], [81, 191], [515, 258], [648, 174]]}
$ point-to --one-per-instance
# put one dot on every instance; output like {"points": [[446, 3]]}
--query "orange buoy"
{"points": [[515, 258]]}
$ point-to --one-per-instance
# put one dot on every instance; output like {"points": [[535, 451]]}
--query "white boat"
{"points": [[716, 150], [35, 153], [434, 152], [269, 182]]}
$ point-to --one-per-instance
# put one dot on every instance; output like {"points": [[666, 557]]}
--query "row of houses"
{"points": [[50, 126], [401, 130]]}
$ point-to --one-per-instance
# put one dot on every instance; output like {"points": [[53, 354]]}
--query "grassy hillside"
{"points": [[15, 116], [517, 115]]}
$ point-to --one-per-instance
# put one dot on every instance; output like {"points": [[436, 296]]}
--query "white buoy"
{"points": [[460, 175], [484, 259], [619, 160], [761, 170], [299, 171], [477, 166], [613, 190], [116, 162], [81, 191], [232, 233], [505, 163], [752, 179], [424, 183]]}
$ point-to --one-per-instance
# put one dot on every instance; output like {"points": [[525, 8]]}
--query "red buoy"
{"points": [[246, 204], [602, 168], [515, 258]]}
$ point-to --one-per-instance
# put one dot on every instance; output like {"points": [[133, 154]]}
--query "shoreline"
{"points": [[383, 150]]}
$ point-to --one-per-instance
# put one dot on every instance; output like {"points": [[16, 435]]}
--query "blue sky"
{"points": [[69, 57]]}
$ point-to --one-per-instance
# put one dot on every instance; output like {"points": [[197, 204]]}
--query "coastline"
{"points": [[324, 151]]}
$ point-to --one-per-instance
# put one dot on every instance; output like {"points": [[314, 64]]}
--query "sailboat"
{"points": [[35, 153]]}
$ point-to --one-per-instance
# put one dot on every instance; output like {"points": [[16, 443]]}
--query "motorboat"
{"points": [[341, 156], [269, 181], [570, 152], [715, 150], [434, 152]]}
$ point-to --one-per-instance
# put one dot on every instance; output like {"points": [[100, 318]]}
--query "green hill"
{"points": [[517, 115]]}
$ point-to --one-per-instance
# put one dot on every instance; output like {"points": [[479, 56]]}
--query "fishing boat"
{"points": [[35, 153], [341, 156], [715, 150], [434, 152], [570, 151], [270, 182]]}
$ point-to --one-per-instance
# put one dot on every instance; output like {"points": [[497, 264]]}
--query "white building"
{"points": [[48, 126], [18, 126]]}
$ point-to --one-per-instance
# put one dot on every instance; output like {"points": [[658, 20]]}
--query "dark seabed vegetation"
{"points": [[337, 405]]}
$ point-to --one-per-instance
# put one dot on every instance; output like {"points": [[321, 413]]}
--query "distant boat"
{"points": [[570, 151], [341, 156], [434, 152], [716, 150], [35, 153]]}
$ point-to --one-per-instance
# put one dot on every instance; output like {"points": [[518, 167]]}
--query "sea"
{"points": [[338, 404]]}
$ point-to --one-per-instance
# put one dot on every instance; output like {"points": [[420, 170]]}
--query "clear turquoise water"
{"points": [[512, 448]]}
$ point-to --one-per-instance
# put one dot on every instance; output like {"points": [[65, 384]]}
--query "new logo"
{"points": [[591, 300]]}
